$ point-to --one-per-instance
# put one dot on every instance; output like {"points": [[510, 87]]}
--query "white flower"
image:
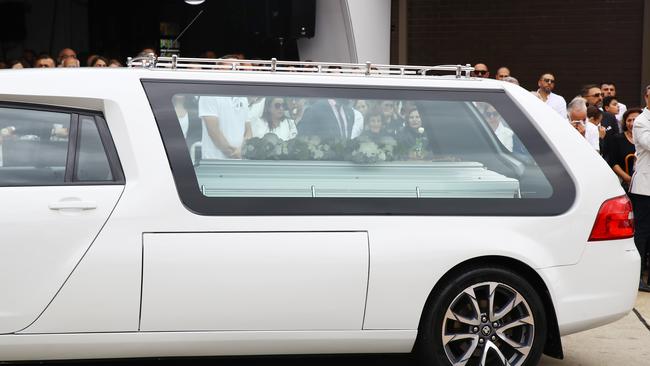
{"points": [[368, 148]]}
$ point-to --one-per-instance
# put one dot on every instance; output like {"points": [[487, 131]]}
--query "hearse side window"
{"points": [[279, 146], [354, 151], [33, 146]]}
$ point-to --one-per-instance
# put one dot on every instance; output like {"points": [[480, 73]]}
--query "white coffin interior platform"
{"points": [[343, 179]]}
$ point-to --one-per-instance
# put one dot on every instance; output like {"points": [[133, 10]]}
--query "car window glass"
{"points": [[92, 163], [286, 146], [33, 146]]}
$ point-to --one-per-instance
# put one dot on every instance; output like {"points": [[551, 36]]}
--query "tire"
{"points": [[515, 330]]}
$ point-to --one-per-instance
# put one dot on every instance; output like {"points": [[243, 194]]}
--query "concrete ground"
{"points": [[625, 342]]}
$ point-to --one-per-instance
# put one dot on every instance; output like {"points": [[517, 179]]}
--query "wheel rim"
{"points": [[488, 323]]}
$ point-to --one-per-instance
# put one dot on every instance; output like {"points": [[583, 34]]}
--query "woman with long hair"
{"points": [[274, 120], [413, 138], [621, 150]]}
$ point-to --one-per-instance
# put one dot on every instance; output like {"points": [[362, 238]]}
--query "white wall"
{"points": [[371, 27], [349, 31]]}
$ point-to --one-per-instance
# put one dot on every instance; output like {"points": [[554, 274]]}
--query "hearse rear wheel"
{"points": [[485, 316]]}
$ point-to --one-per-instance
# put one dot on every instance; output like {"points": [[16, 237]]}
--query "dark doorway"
{"points": [[124, 27]]}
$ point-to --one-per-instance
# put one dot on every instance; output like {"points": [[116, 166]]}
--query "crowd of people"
{"points": [[608, 125], [67, 57], [597, 114]]}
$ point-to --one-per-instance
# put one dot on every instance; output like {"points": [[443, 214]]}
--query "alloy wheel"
{"points": [[489, 323]]}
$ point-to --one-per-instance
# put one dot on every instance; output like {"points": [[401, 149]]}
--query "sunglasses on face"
{"points": [[278, 105], [491, 114], [550, 81], [480, 72], [596, 95]]}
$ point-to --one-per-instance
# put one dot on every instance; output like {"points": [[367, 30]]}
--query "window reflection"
{"points": [[335, 147], [33, 146]]}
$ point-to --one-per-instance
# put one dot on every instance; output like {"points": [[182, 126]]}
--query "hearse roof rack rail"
{"points": [[369, 69]]}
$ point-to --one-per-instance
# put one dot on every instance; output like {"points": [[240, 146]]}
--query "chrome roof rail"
{"points": [[368, 69]]}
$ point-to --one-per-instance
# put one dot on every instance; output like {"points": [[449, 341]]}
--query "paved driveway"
{"points": [[625, 342]]}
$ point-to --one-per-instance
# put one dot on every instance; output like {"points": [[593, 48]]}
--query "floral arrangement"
{"points": [[368, 150], [362, 150], [269, 147]]}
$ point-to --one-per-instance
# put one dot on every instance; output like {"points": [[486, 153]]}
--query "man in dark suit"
{"points": [[330, 118], [611, 127]]}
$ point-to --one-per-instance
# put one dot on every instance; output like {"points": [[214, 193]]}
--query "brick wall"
{"points": [[580, 41]]}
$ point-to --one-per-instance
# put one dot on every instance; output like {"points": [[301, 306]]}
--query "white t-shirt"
{"points": [[286, 130], [592, 135], [622, 108], [256, 109], [357, 127], [232, 113], [505, 135], [558, 103]]}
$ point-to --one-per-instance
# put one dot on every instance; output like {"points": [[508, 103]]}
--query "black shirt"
{"points": [[621, 151]]}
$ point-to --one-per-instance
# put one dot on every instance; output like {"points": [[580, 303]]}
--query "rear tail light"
{"points": [[615, 220]]}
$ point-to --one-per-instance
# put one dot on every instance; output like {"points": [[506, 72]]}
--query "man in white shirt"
{"points": [[225, 126], [498, 125], [640, 187], [546, 84], [609, 90], [577, 115]]}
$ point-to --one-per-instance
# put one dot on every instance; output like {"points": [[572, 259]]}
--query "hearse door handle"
{"points": [[73, 205]]}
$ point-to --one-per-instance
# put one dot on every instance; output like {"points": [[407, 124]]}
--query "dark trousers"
{"points": [[641, 208]]}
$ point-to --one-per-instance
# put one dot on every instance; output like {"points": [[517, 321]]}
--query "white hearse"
{"points": [[193, 207]]}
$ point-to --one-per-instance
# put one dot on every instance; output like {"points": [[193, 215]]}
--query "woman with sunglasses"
{"points": [[274, 120]]}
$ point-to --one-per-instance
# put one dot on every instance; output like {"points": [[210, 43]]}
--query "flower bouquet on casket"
{"points": [[268, 147], [298, 149], [363, 150], [315, 148], [390, 147], [271, 147]]}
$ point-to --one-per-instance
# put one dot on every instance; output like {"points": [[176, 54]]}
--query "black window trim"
{"points": [[159, 92], [73, 144]]}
